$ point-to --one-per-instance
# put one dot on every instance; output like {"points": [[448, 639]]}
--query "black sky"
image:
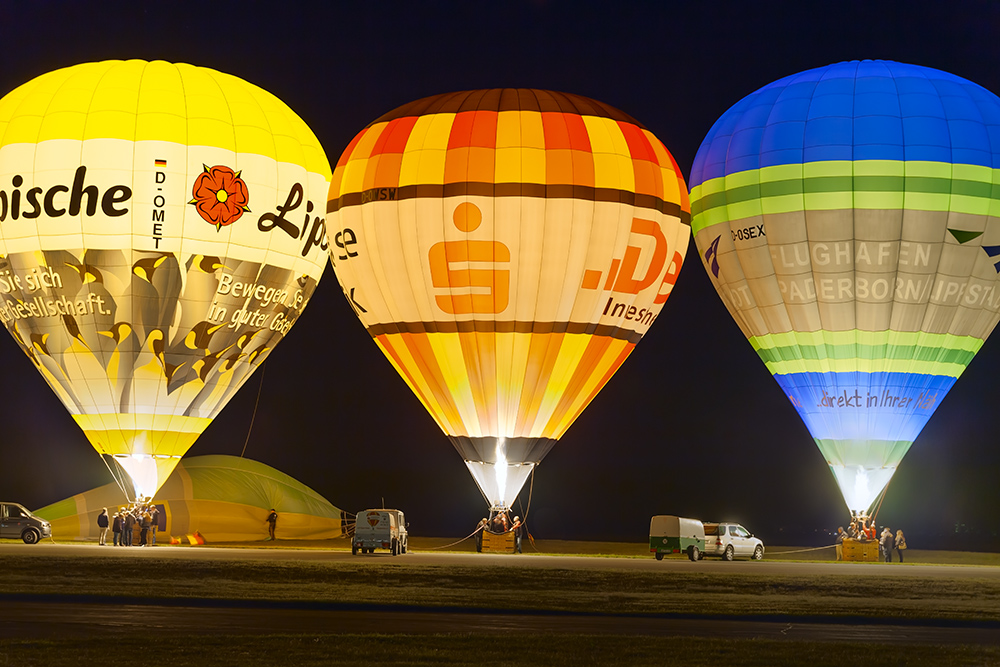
{"points": [[692, 424]]}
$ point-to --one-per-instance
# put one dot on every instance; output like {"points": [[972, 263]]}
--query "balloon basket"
{"points": [[860, 551], [498, 543]]}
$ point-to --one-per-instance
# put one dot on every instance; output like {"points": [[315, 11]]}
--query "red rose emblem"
{"points": [[220, 195]]}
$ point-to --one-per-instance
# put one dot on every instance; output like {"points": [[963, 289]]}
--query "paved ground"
{"points": [[504, 560], [48, 616], [39, 620]]}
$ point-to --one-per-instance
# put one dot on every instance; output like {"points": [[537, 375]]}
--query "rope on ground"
{"points": [[472, 534], [799, 551]]}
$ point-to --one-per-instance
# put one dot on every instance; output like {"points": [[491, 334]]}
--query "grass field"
{"points": [[936, 599], [368, 581]]}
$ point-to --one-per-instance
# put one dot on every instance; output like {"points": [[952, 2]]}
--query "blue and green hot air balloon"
{"points": [[848, 217]]}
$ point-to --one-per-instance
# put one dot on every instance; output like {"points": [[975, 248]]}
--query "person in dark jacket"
{"points": [[116, 529], [127, 527], [518, 529], [154, 517], [144, 523], [271, 520], [102, 523], [886, 543]]}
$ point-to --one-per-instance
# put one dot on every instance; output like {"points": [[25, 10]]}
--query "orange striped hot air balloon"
{"points": [[506, 249]]}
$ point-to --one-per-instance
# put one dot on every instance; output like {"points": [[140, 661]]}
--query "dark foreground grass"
{"points": [[397, 583], [479, 649]]}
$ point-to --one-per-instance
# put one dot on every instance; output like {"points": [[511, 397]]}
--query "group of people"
{"points": [[500, 522], [863, 530], [134, 525]]}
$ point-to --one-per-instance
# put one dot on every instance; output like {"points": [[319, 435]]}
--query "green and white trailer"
{"points": [[675, 535]]}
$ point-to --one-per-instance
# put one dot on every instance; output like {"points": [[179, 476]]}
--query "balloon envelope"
{"points": [[506, 249], [154, 245], [847, 217]]}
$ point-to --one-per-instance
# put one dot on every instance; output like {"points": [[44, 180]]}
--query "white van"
{"points": [[379, 529], [676, 535]]}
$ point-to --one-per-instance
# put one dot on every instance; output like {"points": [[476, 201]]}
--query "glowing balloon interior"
{"points": [[847, 217], [506, 249], [155, 245]]}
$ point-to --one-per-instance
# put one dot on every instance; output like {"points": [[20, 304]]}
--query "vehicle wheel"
{"points": [[694, 553], [354, 549], [728, 554], [404, 548], [30, 536], [758, 553], [659, 556]]}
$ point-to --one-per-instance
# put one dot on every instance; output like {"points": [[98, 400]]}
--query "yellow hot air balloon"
{"points": [[506, 249], [158, 238]]}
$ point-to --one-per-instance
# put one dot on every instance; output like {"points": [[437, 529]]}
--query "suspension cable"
{"points": [[118, 481], [263, 366]]}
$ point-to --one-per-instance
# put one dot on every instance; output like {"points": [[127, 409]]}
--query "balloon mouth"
{"points": [[500, 481], [144, 471], [861, 486]]}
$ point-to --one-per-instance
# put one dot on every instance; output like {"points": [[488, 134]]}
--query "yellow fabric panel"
{"points": [[508, 166], [426, 389], [570, 352], [488, 378], [532, 131], [508, 129], [598, 376], [448, 354], [167, 432], [357, 165], [157, 101], [219, 521], [612, 160], [424, 156], [142, 421], [484, 375]]}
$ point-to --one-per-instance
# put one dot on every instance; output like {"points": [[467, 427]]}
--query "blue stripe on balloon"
{"points": [[865, 406], [869, 110]]}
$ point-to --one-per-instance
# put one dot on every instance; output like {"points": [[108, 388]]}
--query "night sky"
{"points": [[692, 424]]}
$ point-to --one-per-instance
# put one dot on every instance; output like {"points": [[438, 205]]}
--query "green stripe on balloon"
{"points": [[790, 188], [867, 351], [880, 452], [860, 365], [851, 336]]}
